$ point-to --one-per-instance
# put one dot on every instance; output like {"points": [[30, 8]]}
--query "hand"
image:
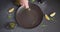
{"points": [[24, 3]]}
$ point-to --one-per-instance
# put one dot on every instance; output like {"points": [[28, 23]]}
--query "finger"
{"points": [[26, 4]]}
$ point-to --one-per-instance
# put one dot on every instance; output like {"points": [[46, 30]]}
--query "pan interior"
{"points": [[29, 18]]}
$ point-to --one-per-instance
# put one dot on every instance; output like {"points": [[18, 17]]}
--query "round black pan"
{"points": [[29, 18]]}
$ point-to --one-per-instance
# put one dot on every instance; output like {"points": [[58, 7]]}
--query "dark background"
{"points": [[47, 6]]}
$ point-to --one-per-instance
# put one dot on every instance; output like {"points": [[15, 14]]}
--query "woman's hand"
{"points": [[24, 3]]}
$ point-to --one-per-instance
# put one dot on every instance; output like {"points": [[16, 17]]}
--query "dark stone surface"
{"points": [[47, 7]]}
